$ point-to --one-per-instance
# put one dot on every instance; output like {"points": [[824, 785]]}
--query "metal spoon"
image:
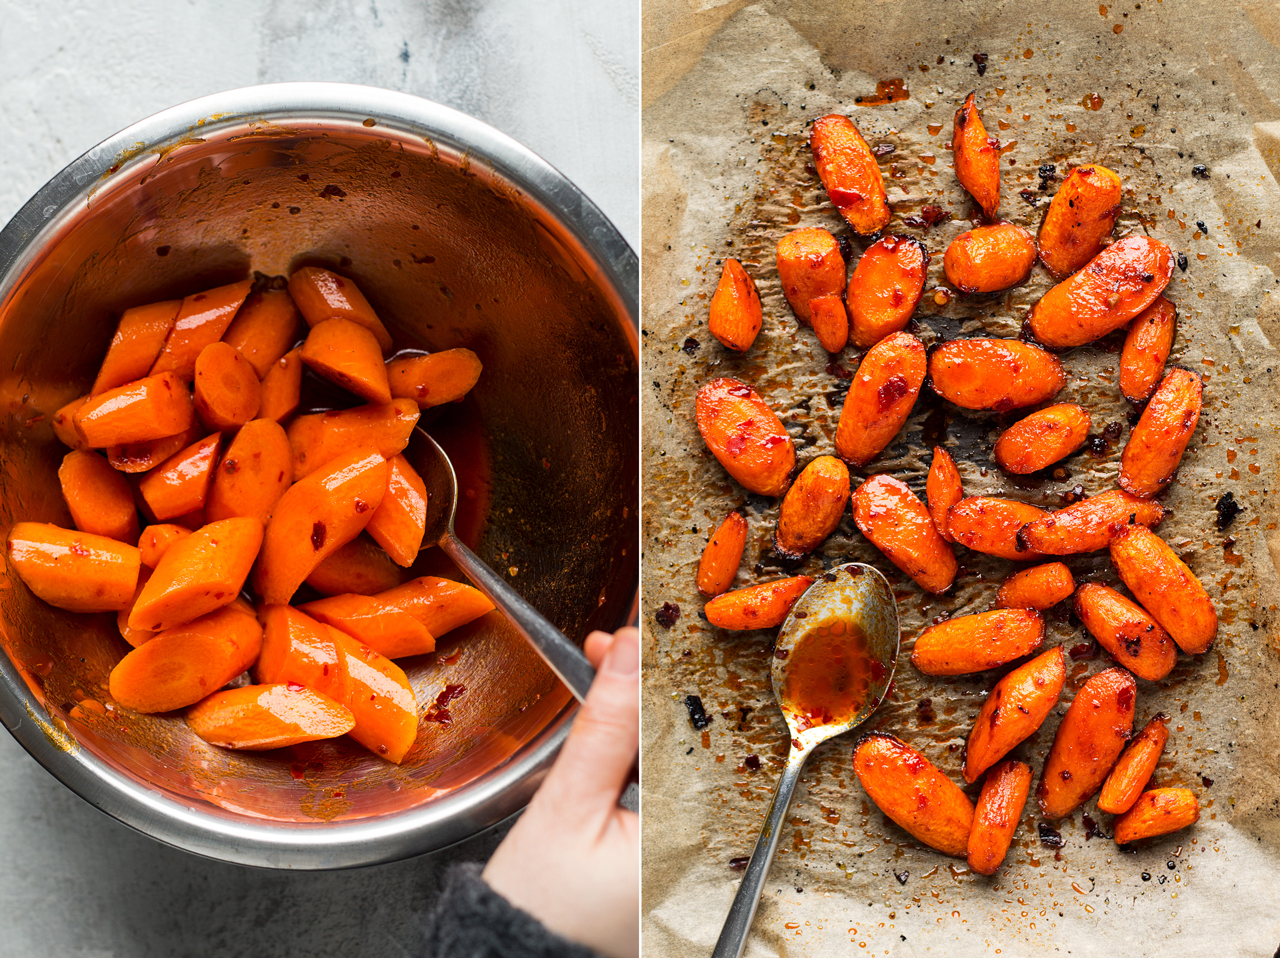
{"points": [[832, 665], [564, 658]]}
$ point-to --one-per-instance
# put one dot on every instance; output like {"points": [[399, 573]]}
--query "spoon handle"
{"points": [[733, 936], [565, 659]]}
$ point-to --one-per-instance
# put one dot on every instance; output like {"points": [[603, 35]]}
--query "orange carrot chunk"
{"points": [[77, 571], [975, 643], [1146, 350], [830, 321], [976, 157], [1156, 444], [995, 818], [911, 791], [227, 392], [1134, 770], [64, 424], [264, 329], [282, 387], [1157, 812], [1040, 587], [1124, 629], [357, 566], [381, 699], [812, 507], [156, 540], [1166, 587], [99, 498], [135, 637], [880, 398], [150, 408], [436, 379], [254, 473], [139, 338], [321, 437], [268, 716], [321, 294], [441, 605], [180, 484], [809, 266], [989, 259], [1088, 525], [888, 513], [346, 353], [381, 625], [1043, 438], [885, 288], [722, 555], [745, 436], [849, 173], [942, 489], [999, 374], [297, 648], [1080, 218], [135, 457], [990, 525], [735, 315], [1016, 707], [201, 320], [760, 606], [399, 523]]}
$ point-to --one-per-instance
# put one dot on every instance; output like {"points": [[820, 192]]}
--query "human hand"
{"points": [[573, 859]]}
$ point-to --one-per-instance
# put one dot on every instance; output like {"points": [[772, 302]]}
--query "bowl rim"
{"points": [[494, 796]]}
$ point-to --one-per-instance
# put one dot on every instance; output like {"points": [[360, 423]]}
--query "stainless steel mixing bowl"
{"points": [[459, 237]]}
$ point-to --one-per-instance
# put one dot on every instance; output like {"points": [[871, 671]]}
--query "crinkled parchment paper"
{"points": [[1150, 89]]}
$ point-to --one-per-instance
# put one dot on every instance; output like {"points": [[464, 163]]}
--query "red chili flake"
{"points": [[317, 536], [294, 686], [737, 442], [894, 389], [770, 441], [361, 506], [230, 465], [1124, 698], [1085, 650], [740, 390]]}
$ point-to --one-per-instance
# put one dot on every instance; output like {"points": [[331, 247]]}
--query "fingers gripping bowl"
{"points": [[459, 237]]}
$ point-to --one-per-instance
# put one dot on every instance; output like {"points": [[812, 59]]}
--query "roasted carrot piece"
{"points": [[1133, 771], [320, 437], [913, 793], [1043, 438], [745, 436], [849, 173], [321, 294], [264, 329], [975, 643], [1115, 286], [139, 338], [441, 605], [995, 818], [258, 717], [1166, 587], [760, 606], [722, 555], [735, 315], [999, 374], [182, 665], [399, 523], [880, 398], [381, 625], [201, 320], [358, 566], [135, 637], [282, 387], [990, 525], [1088, 525], [99, 498], [76, 571], [135, 457], [809, 266], [227, 392], [193, 521], [64, 424], [156, 539], [1146, 350], [885, 288], [888, 513], [812, 507], [297, 648], [436, 379], [830, 321], [347, 354], [989, 259], [319, 513], [1080, 218], [254, 473], [942, 489], [198, 574], [150, 408], [1089, 740], [1040, 587], [1125, 630], [1016, 707], [976, 157], [1156, 444], [381, 699], [1157, 812], [180, 484]]}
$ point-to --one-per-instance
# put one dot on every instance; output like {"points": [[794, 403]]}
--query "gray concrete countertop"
{"points": [[562, 77]]}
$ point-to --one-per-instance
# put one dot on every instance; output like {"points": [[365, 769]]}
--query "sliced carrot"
{"points": [[253, 474], [999, 374], [812, 507], [849, 173], [1166, 587], [735, 314], [357, 566], [760, 606], [989, 259], [1016, 707], [399, 523], [150, 408], [180, 484], [135, 637], [977, 157], [268, 716], [722, 555], [282, 387], [885, 288], [995, 818], [227, 392], [156, 539], [194, 521], [347, 354], [77, 571], [1146, 350], [888, 513], [297, 648], [99, 498], [64, 424], [318, 438], [379, 624], [880, 398], [1157, 812], [1088, 525], [830, 321], [912, 792], [942, 489], [1134, 770], [745, 436], [1125, 630], [264, 329], [809, 266], [975, 643], [1156, 444], [139, 337], [136, 457], [1080, 218], [201, 320], [321, 294], [435, 379], [441, 605], [1043, 438], [1040, 587], [381, 699], [990, 525]]}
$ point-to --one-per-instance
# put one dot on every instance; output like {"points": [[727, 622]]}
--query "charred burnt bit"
{"points": [[1050, 837], [668, 615], [980, 59], [1227, 509], [1200, 171], [1182, 262], [698, 716], [691, 345], [930, 216]]}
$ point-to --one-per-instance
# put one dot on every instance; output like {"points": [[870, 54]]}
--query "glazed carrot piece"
{"points": [[1126, 631], [1080, 218], [1016, 707], [989, 259], [990, 525], [888, 513], [999, 374], [1156, 444], [976, 157], [995, 818], [201, 320], [436, 379], [1166, 588], [297, 648], [99, 498], [812, 507], [320, 437], [258, 717], [182, 665], [885, 288], [942, 489], [1146, 350], [198, 574], [227, 392], [357, 566], [254, 473], [136, 457], [1089, 740], [1157, 812], [849, 173], [809, 266], [381, 625], [913, 793], [975, 643], [441, 605], [76, 571], [745, 436], [399, 523], [1088, 525], [193, 521], [735, 315], [1043, 438], [180, 484], [319, 513], [321, 294], [1115, 286], [760, 606], [150, 408], [139, 338], [381, 699], [1134, 770], [1040, 587], [346, 353], [156, 539], [830, 321], [282, 387], [64, 424], [880, 398], [135, 637], [722, 555], [264, 329]]}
